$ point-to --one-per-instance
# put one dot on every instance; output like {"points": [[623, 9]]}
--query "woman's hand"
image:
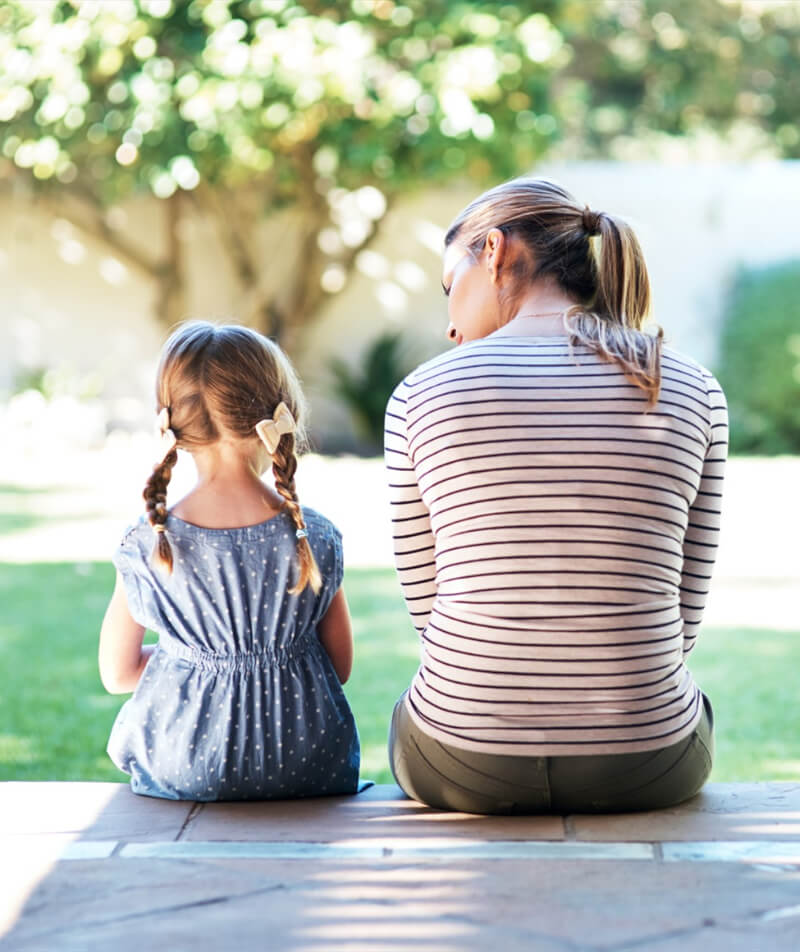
{"points": [[122, 657], [336, 634]]}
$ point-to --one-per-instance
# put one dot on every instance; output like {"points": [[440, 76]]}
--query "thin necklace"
{"points": [[540, 314]]}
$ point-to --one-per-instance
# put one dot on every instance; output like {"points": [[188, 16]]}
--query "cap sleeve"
{"points": [[127, 560], [338, 560], [328, 553]]}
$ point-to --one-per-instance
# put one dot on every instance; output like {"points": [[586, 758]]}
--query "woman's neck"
{"points": [[539, 314]]}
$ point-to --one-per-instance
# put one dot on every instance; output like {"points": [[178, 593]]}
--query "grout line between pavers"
{"points": [[190, 818], [569, 828], [769, 853], [658, 852], [439, 851]]}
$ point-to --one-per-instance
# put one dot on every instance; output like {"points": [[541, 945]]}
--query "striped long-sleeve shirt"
{"points": [[555, 544]]}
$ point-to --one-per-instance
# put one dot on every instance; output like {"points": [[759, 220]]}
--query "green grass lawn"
{"points": [[55, 716]]}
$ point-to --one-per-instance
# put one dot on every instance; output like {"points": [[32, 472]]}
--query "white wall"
{"points": [[68, 303]]}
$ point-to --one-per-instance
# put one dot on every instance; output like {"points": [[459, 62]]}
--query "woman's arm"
{"points": [[122, 657], [414, 545], [336, 634], [702, 533]]}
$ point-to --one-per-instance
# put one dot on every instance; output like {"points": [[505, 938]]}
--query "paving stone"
{"points": [[99, 811], [735, 936], [298, 906], [380, 813], [721, 811], [454, 883]]}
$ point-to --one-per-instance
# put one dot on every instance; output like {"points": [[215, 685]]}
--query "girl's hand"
{"points": [[336, 634], [122, 657]]}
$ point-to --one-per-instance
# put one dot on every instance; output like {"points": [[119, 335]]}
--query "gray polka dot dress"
{"points": [[239, 700]]}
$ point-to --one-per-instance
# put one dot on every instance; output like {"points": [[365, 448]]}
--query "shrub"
{"points": [[759, 360], [366, 389]]}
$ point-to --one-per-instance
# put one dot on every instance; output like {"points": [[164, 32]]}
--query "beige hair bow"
{"points": [[271, 431], [167, 440]]}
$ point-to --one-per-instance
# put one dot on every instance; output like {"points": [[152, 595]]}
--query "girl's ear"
{"points": [[495, 252]]}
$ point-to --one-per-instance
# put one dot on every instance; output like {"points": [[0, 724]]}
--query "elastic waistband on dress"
{"points": [[242, 660]]}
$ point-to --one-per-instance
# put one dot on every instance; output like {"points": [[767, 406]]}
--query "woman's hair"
{"points": [[610, 283], [219, 381]]}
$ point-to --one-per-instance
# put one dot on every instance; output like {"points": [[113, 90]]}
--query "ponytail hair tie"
{"points": [[301, 534], [159, 527], [591, 221]]}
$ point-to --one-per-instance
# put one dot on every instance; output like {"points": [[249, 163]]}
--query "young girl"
{"points": [[242, 696]]}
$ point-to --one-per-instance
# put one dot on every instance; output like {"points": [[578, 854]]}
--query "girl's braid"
{"points": [[284, 466], [155, 497]]}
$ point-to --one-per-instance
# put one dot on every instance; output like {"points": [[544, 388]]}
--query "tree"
{"points": [[328, 111]]}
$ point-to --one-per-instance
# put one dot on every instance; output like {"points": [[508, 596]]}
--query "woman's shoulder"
{"points": [[448, 360], [489, 351], [676, 362]]}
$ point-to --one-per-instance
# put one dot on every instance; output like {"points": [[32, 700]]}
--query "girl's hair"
{"points": [[221, 381], [610, 283]]}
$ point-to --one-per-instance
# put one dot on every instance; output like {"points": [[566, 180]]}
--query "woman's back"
{"points": [[572, 537]]}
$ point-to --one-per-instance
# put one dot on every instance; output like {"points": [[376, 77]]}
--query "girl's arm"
{"points": [[122, 657], [336, 634]]}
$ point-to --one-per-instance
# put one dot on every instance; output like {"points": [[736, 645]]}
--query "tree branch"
{"points": [[87, 216]]}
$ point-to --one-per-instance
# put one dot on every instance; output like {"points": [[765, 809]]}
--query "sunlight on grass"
{"points": [[782, 769], [16, 750], [56, 716]]}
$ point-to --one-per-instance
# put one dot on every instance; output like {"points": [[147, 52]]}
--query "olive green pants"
{"points": [[451, 778]]}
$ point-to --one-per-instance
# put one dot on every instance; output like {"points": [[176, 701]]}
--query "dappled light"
{"points": [[29, 856], [293, 166]]}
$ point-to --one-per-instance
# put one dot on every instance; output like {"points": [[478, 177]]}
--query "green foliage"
{"points": [[305, 96], [366, 389], [334, 108], [759, 361]]}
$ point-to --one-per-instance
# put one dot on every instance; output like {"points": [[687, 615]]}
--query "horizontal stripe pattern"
{"points": [[554, 543]]}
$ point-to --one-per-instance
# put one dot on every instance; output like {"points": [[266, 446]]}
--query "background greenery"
{"points": [[327, 113], [759, 360], [332, 110], [56, 717]]}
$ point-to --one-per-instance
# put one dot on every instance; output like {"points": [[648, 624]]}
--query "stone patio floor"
{"points": [[90, 866]]}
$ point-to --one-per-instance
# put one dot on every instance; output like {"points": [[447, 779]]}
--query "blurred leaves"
{"points": [[162, 94], [332, 109], [759, 361], [366, 388]]}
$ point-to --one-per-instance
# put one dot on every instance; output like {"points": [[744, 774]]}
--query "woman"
{"points": [[555, 484]]}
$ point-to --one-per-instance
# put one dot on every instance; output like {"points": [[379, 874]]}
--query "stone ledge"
{"points": [[108, 811], [91, 866]]}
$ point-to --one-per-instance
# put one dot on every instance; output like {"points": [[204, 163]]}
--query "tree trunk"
{"points": [[171, 300], [278, 275], [278, 290]]}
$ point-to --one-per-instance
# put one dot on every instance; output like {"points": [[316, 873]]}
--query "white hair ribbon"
{"points": [[167, 440], [271, 431]]}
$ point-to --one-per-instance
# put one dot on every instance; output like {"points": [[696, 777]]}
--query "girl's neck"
{"points": [[229, 492]]}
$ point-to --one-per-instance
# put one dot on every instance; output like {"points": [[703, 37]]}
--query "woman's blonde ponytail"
{"points": [[623, 285]]}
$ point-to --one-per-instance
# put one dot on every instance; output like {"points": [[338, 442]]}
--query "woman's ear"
{"points": [[495, 251]]}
